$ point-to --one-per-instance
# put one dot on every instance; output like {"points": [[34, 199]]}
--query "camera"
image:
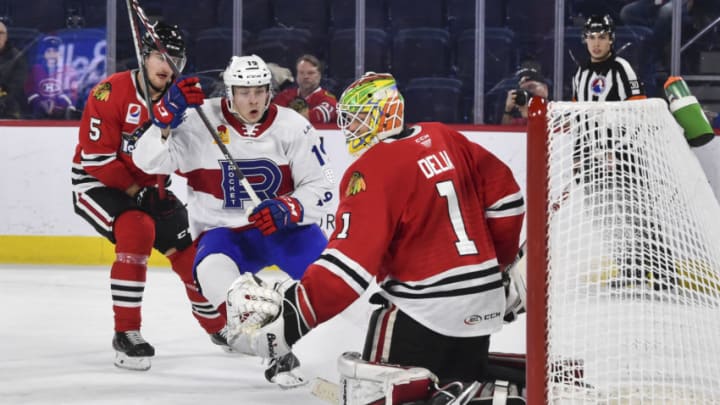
{"points": [[522, 96]]}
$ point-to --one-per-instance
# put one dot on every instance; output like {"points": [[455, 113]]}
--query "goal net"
{"points": [[623, 261]]}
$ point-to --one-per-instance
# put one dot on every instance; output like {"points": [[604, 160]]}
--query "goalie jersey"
{"points": [[431, 217], [280, 155]]}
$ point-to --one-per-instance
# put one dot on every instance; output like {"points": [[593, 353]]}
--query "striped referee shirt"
{"points": [[610, 80]]}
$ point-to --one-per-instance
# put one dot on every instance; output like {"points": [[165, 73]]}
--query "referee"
{"points": [[606, 76]]}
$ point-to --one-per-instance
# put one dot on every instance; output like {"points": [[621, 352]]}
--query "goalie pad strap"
{"points": [[295, 324]]}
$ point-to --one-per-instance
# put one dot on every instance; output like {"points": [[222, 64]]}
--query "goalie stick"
{"points": [[140, 13]]}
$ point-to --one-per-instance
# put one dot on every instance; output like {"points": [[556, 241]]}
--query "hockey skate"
{"points": [[284, 372], [132, 352], [220, 339]]}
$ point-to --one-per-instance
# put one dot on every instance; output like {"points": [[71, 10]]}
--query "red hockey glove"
{"points": [[278, 213], [169, 111]]}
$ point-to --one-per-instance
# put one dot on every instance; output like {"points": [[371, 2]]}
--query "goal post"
{"points": [[623, 262]]}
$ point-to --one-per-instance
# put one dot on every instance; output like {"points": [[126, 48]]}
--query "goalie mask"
{"points": [[246, 71], [369, 110], [171, 39]]}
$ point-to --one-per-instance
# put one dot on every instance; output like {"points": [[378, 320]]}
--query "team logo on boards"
{"points": [[224, 134], [598, 85], [133, 113], [101, 92], [356, 184]]}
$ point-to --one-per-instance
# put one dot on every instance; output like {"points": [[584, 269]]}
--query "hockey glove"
{"points": [[276, 214], [169, 111], [252, 329], [148, 199]]}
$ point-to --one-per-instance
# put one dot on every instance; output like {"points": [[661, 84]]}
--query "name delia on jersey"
{"points": [[435, 164]]}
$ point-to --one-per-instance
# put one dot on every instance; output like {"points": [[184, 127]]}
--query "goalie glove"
{"points": [[276, 214], [263, 321]]}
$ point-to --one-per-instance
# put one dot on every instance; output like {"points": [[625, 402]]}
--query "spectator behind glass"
{"points": [[44, 87], [13, 72], [319, 103], [534, 84]]}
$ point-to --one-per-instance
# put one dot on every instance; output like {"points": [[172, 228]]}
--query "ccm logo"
{"points": [[475, 319]]}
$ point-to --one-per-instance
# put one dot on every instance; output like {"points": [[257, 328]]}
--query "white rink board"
{"points": [[36, 161]]}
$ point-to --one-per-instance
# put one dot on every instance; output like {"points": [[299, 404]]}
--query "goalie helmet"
{"points": [[369, 110], [171, 39], [599, 24], [246, 71]]}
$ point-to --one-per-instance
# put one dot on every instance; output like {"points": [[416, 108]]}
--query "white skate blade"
{"points": [[289, 379], [326, 390], [122, 360]]}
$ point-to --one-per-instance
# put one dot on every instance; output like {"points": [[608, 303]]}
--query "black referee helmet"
{"points": [[597, 23]]}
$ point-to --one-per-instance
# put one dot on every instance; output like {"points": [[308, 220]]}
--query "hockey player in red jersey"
{"points": [[320, 103], [282, 157], [430, 216], [123, 203]]}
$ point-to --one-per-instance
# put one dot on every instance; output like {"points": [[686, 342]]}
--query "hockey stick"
{"points": [[231, 162], [516, 275], [146, 94]]}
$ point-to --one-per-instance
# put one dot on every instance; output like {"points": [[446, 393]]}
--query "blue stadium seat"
{"points": [[416, 13], [312, 15], [342, 14], [461, 15], [23, 38], [257, 15], [191, 15], [341, 53], [500, 55], [420, 52], [433, 99], [212, 49], [281, 45], [44, 15]]}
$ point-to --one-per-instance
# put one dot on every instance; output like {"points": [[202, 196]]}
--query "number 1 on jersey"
{"points": [[464, 245]]}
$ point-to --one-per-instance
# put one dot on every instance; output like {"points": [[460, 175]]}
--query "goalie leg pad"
{"points": [[363, 382]]}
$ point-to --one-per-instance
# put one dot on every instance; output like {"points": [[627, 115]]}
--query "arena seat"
{"points": [[433, 99], [420, 52]]}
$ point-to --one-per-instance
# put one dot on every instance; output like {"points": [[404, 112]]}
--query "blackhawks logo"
{"points": [[356, 184], [101, 92]]}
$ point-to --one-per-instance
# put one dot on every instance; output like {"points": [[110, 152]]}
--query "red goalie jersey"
{"points": [[432, 217]]}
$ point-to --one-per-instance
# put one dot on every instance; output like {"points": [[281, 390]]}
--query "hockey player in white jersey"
{"points": [[280, 154]]}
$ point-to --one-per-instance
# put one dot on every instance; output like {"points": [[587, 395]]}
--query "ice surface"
{"points": [[55, 345]]}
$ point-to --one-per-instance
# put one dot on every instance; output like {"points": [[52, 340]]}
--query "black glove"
{"points": [[148, 199]]}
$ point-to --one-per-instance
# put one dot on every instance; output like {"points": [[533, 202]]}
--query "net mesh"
{"points": [[633, 259]]}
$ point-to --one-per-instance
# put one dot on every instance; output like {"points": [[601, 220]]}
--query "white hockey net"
{"points": [[633, 268]]}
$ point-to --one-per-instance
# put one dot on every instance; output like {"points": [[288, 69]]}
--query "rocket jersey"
{"points": [[281, 155], [429, 216], [114, 111], [610, 80]]}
